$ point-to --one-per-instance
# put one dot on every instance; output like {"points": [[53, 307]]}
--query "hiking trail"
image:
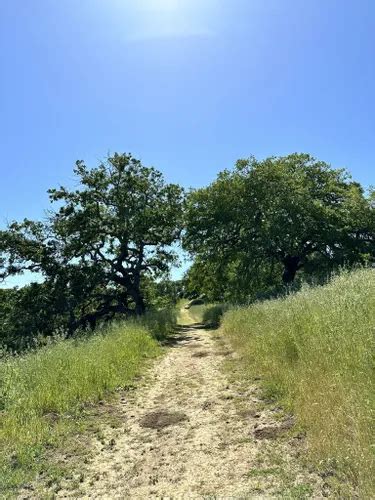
{"points": [[190, 431]]}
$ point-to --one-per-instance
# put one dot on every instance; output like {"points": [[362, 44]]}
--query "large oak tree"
{"points": [[282, 214], [119, 224]]}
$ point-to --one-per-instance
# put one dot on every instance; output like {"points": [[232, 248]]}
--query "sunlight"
{"points": [[171, 18], [165, 4]]}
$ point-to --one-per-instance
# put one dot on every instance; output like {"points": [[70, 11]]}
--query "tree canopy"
{"points": [[264, 221], [93, 251], [107, 246]]}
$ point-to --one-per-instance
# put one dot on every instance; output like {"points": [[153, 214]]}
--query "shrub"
{"points": [[213, 313], [160, 323]]}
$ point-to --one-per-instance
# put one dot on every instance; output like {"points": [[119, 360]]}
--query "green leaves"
{"points": [[117, 225], [251, 232], [282, 212]]}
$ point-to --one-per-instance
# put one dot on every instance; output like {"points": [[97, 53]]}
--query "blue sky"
{"points": [[188, 86]]}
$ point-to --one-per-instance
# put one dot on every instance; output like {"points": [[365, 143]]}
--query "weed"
{"points": [[297, 492], [264, 472]]}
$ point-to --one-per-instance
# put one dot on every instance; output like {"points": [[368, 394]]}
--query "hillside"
{"points": [[190, 429], [315, 354], [278, 402]]}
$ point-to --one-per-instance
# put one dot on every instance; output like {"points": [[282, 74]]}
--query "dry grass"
{"points": [[196, 312], [315, 351], [43, 393]]}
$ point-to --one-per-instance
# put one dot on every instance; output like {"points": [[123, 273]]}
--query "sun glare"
{"points": [[165, 4], [171, 18]]}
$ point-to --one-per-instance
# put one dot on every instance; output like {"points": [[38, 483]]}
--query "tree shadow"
{"points": [[182, 333]]}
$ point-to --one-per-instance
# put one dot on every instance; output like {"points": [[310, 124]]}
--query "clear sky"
{"points": [[188, 86]]}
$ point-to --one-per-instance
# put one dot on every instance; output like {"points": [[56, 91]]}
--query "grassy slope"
{"points": [[209, 314], [43, 393], [196, 312], [315, 352]]}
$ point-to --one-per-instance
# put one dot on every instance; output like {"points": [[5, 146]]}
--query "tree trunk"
{"points": [[291, 266], [140, 307], [132, 289], [136, 295]]}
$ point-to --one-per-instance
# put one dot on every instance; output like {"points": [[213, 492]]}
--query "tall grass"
{"points": [[209, 314], [213, 313], [43, 392], [315, 350], [196, 312]]}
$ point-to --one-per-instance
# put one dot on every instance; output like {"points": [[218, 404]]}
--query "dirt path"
{"points": [[189, 432]]}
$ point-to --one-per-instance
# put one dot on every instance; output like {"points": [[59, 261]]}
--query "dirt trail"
{"points": [[190, 433]]}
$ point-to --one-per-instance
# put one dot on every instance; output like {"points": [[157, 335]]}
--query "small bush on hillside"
{"points": [[212, 314]]}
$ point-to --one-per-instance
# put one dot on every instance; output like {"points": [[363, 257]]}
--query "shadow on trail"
{"points": [[183, 334], [193, 326]]}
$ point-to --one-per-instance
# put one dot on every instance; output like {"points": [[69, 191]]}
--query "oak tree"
{"points": [[118, 225], [280, 215]]}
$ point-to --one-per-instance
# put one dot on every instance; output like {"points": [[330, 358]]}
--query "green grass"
{"points": [[298, 492], [213, 313], [43, 393], [196, 312], [315, 352], [270, 471], [210, 314]]}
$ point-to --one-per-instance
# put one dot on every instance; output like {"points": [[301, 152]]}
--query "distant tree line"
{"points": [[107, 249]]}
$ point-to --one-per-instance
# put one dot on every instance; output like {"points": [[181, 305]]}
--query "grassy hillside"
{"points": [[315, 351], [43, 393], [209, 314]]}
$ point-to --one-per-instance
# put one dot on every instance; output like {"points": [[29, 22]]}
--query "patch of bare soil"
{"points": [[161, 419], [190, 431], [200, 354], [272, 431]]}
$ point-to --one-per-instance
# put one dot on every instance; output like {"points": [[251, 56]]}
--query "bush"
{"points": [[213, 313], [209, 314], [315, 351], [160, 323]]}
